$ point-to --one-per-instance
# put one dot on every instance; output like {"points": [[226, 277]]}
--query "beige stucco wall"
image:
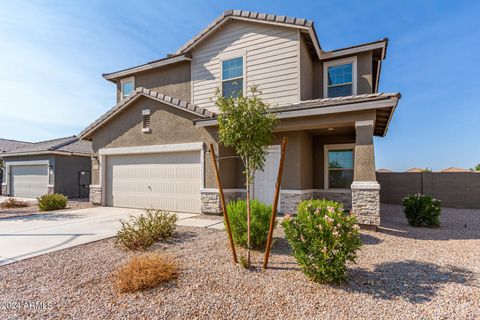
{"points": [[364, 154], [172, 80], [364, 73], [297, 173]]}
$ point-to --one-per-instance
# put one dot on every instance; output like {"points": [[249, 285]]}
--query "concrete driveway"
{"points": [[30, 236]]}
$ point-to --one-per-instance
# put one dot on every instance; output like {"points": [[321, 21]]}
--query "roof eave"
{"points": [[57, 152], [114, 76], [394, 107], [336, 108], [381, 44]]}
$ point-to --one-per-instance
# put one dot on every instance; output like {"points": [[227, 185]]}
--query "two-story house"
{"points": [[150, 150]]}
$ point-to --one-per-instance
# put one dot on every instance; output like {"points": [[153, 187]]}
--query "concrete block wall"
{"points": [[453, 189]]}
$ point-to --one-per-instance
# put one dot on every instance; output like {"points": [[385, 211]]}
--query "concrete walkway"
{"points": [[34, 235]]}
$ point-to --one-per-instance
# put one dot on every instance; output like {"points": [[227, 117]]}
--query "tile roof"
{"points": [[325, 102], [174, 102], [254, 16], [66, 145], [7, 145]]}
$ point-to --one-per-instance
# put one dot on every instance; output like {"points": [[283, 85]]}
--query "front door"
{"points": [[264, 183]]}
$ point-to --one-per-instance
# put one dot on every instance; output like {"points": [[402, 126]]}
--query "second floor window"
{"points": [[340, 78], [232, 77], [340, 82], [126, 87]]}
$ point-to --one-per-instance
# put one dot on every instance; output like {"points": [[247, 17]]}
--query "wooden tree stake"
{"points": [[224, 207], [275, 203]]}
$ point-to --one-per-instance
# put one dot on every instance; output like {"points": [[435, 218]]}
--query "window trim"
{"points": [[122, 81], [332, 147], [333, 63], [229, 56]]}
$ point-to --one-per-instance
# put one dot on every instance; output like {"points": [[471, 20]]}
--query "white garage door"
{"points": [[29, 181], [167, 181]]}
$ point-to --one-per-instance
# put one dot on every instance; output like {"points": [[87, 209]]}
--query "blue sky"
{"points": [[54, 52]]}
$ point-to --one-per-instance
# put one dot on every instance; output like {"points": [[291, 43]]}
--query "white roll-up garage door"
{"points": [[29, 181], [168, 181]]}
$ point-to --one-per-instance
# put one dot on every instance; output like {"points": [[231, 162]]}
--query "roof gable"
{"points": [[67, 145], [306, 26], [142, 92]]}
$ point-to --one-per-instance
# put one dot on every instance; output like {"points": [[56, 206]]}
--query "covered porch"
{"points": [[331, 157], [330, 154]]}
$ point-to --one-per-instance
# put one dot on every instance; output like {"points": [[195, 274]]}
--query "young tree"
{"points": [[476, 168], [245, 124]]}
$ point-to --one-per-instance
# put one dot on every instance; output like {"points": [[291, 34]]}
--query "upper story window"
{"points": [[127, 86], [232, 77], [340, 77]]}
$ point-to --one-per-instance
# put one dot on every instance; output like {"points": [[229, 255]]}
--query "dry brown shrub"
{"points": [[144, 272], [13, 203]]}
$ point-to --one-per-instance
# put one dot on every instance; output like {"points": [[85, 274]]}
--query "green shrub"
{"points": [[143, 231], [422, 210], [260, 222], [323, 239], [49, 202]]}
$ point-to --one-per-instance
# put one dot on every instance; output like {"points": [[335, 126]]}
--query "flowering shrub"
{"points": [[422, 210], [323, 239]]}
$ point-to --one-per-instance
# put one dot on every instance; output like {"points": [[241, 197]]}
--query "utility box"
{"points": [[84, 181]]}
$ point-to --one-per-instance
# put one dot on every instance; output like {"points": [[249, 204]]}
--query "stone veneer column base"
{"points": [[50, 189], [366, 202], [211, 203], [343, 196], [4, 189], [290, 199], [95, 194]]}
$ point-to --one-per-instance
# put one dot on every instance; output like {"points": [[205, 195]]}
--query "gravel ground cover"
{"points": [[33, 208], [402, 273]]}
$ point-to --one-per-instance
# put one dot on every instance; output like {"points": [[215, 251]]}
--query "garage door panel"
{"points": [[29, 181], [187, 188], [168, 181]]}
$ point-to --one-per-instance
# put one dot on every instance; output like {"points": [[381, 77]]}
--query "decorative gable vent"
{"points": [[146, 121]]}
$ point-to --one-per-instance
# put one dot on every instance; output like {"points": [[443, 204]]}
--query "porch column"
{"points": [[365, 188]]}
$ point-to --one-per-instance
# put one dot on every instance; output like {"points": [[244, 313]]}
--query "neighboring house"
{"points": [[150, 150], [384, 170], [413, 170], [453, 169], [8, 145], [55, 166]]}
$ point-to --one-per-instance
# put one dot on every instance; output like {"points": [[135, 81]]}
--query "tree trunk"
{"points": [[248, 214]]}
